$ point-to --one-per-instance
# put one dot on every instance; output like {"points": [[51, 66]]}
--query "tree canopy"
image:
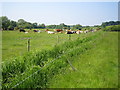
{"points": [[7, 24]]}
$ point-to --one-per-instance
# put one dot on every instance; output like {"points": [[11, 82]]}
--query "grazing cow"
{"points": [[26, 32], [22, 30], [69, 32], [39, 31], [78, 32], [50, 32], [46, 30], [73, 31], [35, 30], [58, 30], [86, 31]]}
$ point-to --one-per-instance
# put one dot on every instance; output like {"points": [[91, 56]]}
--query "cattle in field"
{"points": [[79, 32], [26, 32], [50, 32], [58, 30], [46, 30], [22, 30], [86, 31], [69, 32], [37, 31], [73, 31]]}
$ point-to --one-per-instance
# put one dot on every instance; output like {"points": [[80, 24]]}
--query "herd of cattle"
{"points": [[62, 31]]}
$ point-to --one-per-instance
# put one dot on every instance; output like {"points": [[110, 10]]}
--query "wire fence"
{"points": [[21, 45], [39, 76]]}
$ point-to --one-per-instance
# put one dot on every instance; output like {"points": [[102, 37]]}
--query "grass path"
{"points": [[96, 68]]}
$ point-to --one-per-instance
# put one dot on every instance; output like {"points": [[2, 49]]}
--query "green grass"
{"points": [[19, 68], [96, 68], [94, 55], [14, 44]]}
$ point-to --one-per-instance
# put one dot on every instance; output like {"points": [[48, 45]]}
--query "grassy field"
{"points": [[93, 55], [96, 68], [14, 44]]}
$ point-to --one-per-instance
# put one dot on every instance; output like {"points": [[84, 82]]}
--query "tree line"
{"points": [[7, 24], [110, 23]]}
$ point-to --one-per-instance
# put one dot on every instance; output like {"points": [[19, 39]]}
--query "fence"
{"points": [[19, 46], [48, 70]]}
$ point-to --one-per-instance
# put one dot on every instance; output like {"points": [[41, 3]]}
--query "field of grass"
{"points": [[14, 44], [93, 55], [96, 68]]}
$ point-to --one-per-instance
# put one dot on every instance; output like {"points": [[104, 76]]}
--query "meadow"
{"points": [[15, 43], [84, 61]]}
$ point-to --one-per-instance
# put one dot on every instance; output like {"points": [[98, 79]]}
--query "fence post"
{"points": [[28, 47]]}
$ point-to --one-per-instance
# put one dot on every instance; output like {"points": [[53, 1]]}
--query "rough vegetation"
{"points": [[19, 68]]}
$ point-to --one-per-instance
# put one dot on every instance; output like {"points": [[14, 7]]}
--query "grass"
{"points": [[14, 44], [96, 68], [17, 69], [90, 54]]}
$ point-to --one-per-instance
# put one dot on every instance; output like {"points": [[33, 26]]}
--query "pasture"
{"points": [[14, 43], [93, 56], [96, 68]]}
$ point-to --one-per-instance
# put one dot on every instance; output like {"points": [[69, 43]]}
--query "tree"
{"points": [[5, 22], [12, 25], [77, 26], [28, 25], [21, 23], [35, 25], [104, 24]]}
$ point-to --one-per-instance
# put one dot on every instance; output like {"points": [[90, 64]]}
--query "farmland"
{"points": [[14, 44], [46, 65]]}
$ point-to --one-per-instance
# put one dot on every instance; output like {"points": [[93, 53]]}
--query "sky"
{"points": [[84, 13]]}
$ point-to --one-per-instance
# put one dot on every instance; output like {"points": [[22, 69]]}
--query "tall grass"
{"points": [[16, 70], [96, 68]]}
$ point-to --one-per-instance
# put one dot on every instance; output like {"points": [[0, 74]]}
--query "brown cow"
{"points": [[58, 30]]}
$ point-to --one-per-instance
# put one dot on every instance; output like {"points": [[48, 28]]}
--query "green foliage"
{"points": [[95, 68], [104, 24], [77, 26], [112, 28], [17, 69], [5, 22]]}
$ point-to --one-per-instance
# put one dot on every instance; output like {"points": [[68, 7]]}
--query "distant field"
{"points": [[14, 44]]}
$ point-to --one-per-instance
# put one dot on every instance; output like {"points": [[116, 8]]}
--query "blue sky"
{"points": [[84, 13]]}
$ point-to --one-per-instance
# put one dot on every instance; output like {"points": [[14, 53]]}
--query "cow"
{"points": [[35, 30], [69, 32], [73, 31], [50, 32], [46, 30], [58, 30], [26, 32], [22, 30], [86, 31], [79, 32]]}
